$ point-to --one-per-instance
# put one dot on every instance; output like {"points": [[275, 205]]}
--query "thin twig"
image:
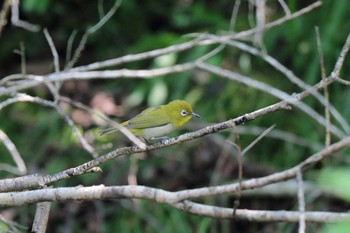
{"points": [[21, 52], [285, 7], [90, 31], [225, 151], [190, 44], [275, 23], [341, 57], [20, 23], [110, 122], [234, 15], [3, 14], [342, 81], [13, 224], [10, 169], [267, 131], [56, 61], [17, 158], [238, 192], [69, 47], [140, 56], [251, 13], [281, 135], [20, 97], [76, 131], [272, 91], [285, 71], [100, 10], [326, 93], [301, 201], [34, 80]]}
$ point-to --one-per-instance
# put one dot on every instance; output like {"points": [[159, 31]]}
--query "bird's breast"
{"points": [[157, 131]]}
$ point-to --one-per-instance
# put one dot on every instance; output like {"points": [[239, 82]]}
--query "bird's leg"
{"points": [[148, 142], [153, 140], [159, 139]]}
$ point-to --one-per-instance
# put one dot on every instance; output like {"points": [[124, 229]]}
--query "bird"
{"points": [[156, 122]]}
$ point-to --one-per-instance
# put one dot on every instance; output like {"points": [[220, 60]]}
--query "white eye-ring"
{"points": [[184, 113]]}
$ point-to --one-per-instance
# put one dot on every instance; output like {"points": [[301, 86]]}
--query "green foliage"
{"points": [[336, 180], [163, 219], [341, 227], [4, 227], [48, 144], [35, 6]]}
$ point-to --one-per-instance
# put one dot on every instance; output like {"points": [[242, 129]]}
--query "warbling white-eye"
{"points": [[158, 121]]}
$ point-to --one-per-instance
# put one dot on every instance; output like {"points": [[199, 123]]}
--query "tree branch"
{"points": [[160, 196]]}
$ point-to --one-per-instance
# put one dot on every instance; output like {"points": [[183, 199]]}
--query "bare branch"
{"points": [[326, 93], [5, 185], [288, 189], [280, 21], [234, 15], [53, 50], [34, 80], [190, 44], [263, 181], [240, 173], [139, 56], [260, 215], [288, 73], [20, 23], [341, 58], [28, 98], [260, 22], [3, 14], [70, 46], [17, 158], [272, 91], [76, 131], [41, 217], [342, 81], [21, 52], [301, 201], [11, 85], [90, 31], [14, 225], [285, 7], [121, 128], [281, 135], [262, 135], [160, 196]]}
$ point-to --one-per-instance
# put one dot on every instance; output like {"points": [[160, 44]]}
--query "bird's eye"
{"points": [[183, 113]]}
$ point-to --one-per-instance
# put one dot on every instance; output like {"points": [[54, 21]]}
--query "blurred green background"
{"points": [[48, 146]]}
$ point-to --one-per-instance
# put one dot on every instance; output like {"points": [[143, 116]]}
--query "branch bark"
{"points": [[160, 196]]}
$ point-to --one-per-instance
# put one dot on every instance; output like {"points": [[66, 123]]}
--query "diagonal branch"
{"points": [[20, 184]]}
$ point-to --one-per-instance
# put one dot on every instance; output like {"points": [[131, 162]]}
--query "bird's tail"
{"points": [[109, 130]]}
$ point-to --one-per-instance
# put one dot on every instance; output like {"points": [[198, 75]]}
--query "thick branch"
{"points": [[35, 80], [116, 192]]}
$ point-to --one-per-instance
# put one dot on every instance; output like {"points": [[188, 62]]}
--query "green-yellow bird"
{"points": [[158, 121]]}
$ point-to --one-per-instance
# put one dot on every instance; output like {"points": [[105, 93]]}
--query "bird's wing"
{"points": [[149, 118]]}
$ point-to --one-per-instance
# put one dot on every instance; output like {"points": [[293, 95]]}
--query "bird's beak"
{"points": [[195, 115]]}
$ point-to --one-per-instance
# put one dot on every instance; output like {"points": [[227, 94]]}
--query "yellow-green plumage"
{"points": [[158, 121]]}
